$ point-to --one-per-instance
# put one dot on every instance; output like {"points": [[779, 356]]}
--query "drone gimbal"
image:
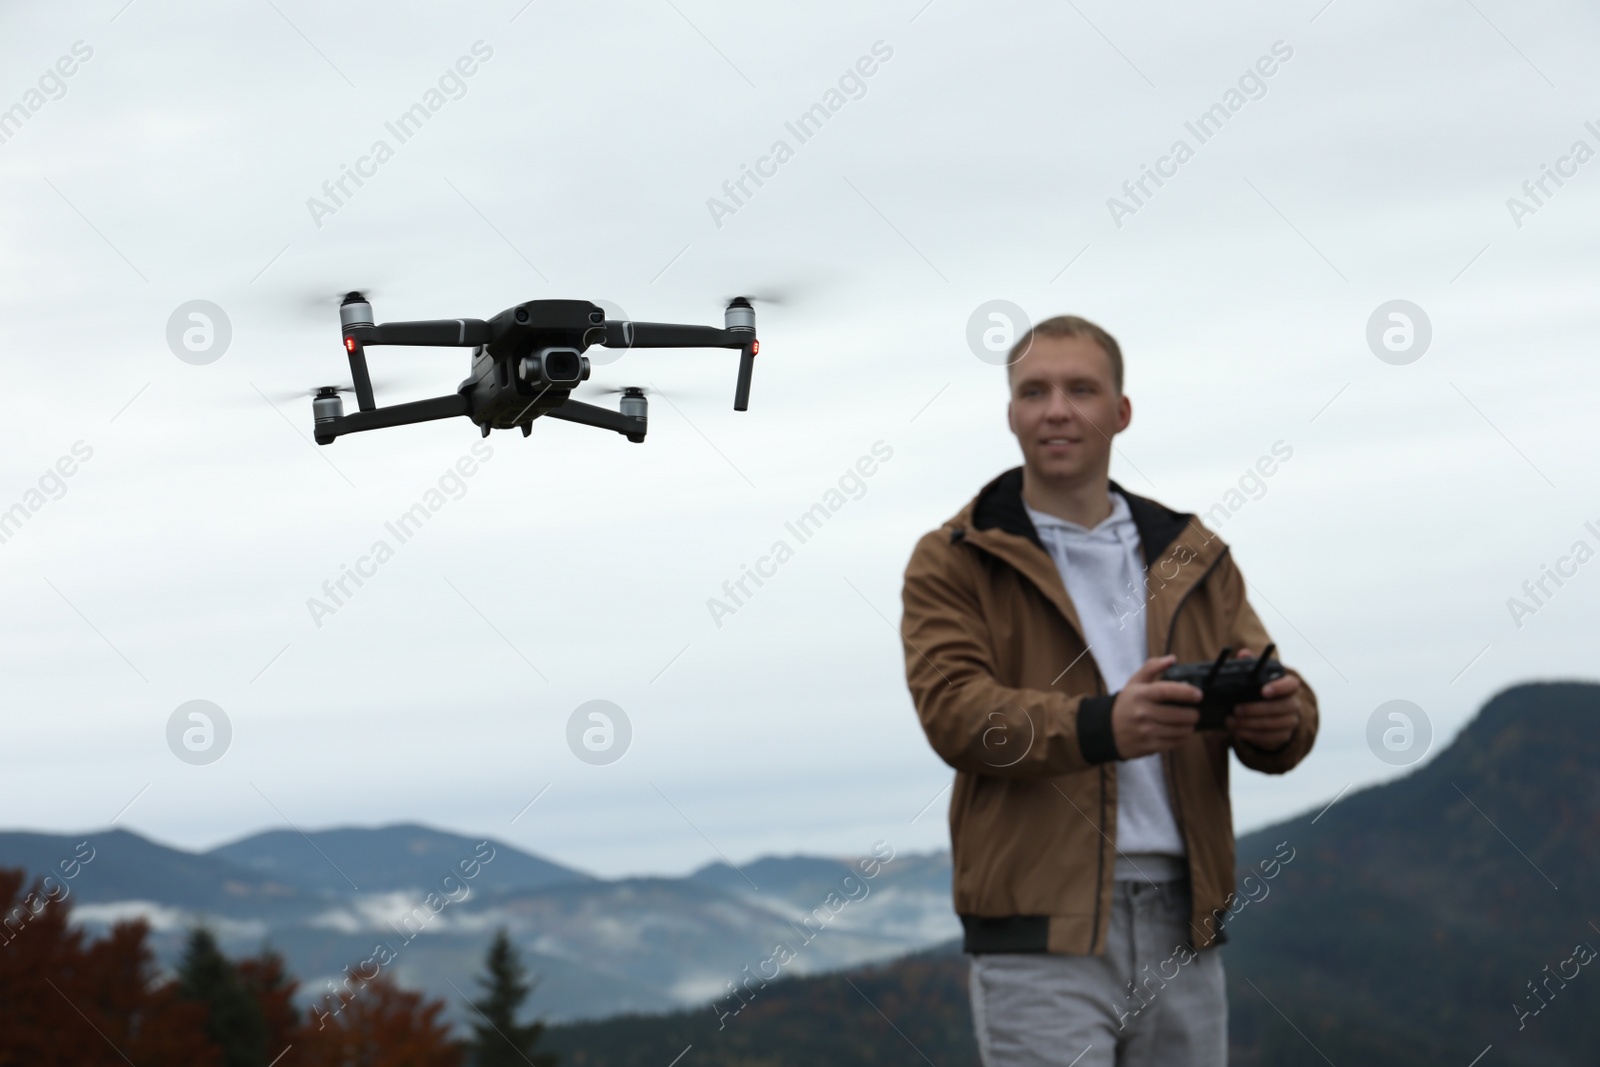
{"points": [[525, 363]]}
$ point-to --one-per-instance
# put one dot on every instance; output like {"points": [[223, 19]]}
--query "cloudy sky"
{"points": [[984, 158]]}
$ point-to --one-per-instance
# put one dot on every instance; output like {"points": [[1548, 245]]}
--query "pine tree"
{"points": [[265, 976], [497, 1040], [235, 1022]]}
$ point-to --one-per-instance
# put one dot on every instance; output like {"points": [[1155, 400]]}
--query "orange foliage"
{"points": [[380, 1025], [66, 1003]]}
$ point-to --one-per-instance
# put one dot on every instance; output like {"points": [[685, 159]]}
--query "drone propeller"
{"points": [[797, 288], [316, 304], [325, 305], [648, 390], [771, 297], [284, 396], [321, 390], [609, 390]]}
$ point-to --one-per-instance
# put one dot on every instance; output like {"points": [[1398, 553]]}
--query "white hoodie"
{"points": [[1103, 570]]}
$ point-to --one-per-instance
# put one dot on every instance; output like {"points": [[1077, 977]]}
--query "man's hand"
{"points": [[1150, 715], [1270, 722]]}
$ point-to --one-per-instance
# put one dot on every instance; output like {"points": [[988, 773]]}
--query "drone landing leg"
{"points": [[360, 378], [747, 363]]}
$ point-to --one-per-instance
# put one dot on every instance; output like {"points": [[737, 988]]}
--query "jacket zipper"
{"points": [[1172, 627], [1171, 771], [1170, 765]]}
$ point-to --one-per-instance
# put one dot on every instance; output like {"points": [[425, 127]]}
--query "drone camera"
{"points": [[554, 368]]}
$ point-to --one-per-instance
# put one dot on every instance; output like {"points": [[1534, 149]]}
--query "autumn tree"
{"points": [[146, 1019], [380, 1025], [69, 1002], [497, 1039]]}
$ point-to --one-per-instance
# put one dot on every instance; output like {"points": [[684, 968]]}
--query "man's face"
{"points": [[1065, 409]]}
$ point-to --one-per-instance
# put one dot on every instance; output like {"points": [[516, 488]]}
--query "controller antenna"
{"points": [[1261, 664], [1216, 668]]}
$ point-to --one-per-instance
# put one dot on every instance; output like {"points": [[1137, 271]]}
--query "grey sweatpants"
{"points": [[1149, 1000]]}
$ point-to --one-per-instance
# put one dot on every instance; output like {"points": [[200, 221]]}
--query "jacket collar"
{"points": [[1175, 546], [999, 506]]}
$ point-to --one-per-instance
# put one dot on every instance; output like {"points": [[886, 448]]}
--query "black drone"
{"points": [[525, 363]]}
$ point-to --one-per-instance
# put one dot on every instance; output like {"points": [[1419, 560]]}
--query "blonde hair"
{"points": [[1069, 326]]}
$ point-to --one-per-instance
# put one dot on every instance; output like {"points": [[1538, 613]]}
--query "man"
{"points": [[1090, 825]]}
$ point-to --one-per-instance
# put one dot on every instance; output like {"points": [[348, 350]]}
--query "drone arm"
{"points": [[671, 335], [438, 407], [604, 418], [431, 333]]}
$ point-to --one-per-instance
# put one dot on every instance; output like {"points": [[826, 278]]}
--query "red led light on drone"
{"points": [[755, 348], [349, 344]]}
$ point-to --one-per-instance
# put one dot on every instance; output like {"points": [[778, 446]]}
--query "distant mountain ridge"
{"points": [[386, 858], [600, 946], [126, 866]]}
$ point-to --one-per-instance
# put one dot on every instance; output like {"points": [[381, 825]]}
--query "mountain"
{"points": [[599, 947], [900, 893], [401, 857], [911, 1012], [122, 866], [1414, 914], [1403, 924]]}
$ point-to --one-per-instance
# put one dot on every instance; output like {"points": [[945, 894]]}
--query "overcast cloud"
{"points": [[584, 157]]}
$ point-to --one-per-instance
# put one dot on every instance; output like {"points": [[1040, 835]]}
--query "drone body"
{"points": [[525, 363]]}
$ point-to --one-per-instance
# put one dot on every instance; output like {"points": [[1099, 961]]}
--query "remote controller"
{"points": [[1226, 683]]}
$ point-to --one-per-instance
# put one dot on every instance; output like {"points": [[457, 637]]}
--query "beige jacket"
{"points": [[998, 671]]}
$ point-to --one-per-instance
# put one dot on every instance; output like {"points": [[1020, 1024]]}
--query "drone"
{"points": [[525, 363]]}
